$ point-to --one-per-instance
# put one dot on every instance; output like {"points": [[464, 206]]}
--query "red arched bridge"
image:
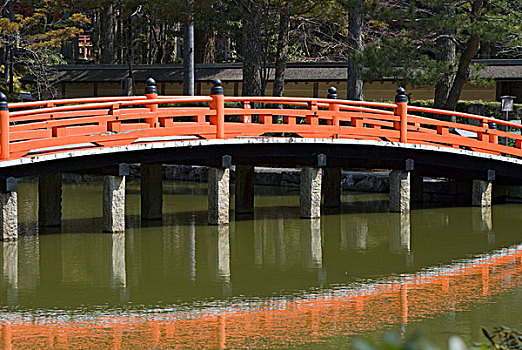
{"points": [[103, 134]]}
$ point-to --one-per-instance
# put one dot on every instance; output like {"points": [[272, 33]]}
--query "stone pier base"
{"points": [[481, 195], [332, 187], [151, 191], [50, 200], [245, 178], [218, 196], [310, 194], [114, 203], [400, 191], [8, 216]]}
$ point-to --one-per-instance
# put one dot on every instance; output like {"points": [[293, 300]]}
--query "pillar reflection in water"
{"points": [[311, 241], [354, 232], [483, 222], [400, 233], [118, 270], [10, 268], [400, 236], [258, 242], [192, 248], [29, 262], [133, 241], [279, 241], [482, 219], [219, 255]]}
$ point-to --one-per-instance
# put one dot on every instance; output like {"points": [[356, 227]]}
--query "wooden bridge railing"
{"points": [[42, 127]]}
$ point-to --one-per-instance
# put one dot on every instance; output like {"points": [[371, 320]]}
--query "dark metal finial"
{"points": [[332, 93], [3, 102], [217, 89], [151, 88], [401, 95]]}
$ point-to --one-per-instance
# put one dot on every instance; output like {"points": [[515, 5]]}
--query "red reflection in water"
{"points": [[312, 319]]}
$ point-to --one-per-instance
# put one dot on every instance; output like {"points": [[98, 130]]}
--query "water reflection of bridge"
{"points": [[313, 318], [213, 265], [271, 244]]}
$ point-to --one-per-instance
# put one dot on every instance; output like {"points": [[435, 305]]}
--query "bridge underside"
{"points": [[282, 152]]}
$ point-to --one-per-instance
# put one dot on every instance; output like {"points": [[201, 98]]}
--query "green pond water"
{"points": [[268, 280]]}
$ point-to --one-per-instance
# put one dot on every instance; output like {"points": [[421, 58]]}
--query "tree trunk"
{"points": [[188, 59], [251, 48], [472, 47], [107, 33], [462, 72], [282, 51], [446, 52], [204, 45], [355, 88]]}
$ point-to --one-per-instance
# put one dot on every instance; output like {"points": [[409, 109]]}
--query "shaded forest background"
{"points": [[417, 43]]}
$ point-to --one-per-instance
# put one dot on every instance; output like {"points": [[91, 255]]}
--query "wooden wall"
{"points": [[376, 91]]}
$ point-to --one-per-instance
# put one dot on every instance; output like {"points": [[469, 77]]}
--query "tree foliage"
{"points": [[404, 39], [416, 42]]}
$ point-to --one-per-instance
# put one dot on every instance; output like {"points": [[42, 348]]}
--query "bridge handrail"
{"points": [[276, 99], [53, 103], [122, 120], [108, 104], [462, 115]]}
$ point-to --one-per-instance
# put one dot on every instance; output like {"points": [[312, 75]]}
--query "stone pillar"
{"points": [[310, 194], [245, 177], [114, 203], [8, 210], [481, 193], [399, 191], [218, 196], [151, 191], [332, 187], [50, 200]]}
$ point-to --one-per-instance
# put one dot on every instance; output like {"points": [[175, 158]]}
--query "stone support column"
{"points": [[332, 187], [151, 191], [310, 193], [245, 177], [8, 209], [218, 196], [114, 203], [50, 200], [400, 191], [481, 193]]}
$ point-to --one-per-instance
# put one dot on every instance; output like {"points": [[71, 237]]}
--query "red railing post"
{"points": [[334, 107], [4, 127], [402, 111], [218, 104], [151, 92]]}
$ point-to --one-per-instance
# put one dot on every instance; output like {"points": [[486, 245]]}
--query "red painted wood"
{"points": [[112, 121]]}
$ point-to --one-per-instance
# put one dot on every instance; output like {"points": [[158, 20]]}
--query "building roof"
{"points": [[231, 72]]}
